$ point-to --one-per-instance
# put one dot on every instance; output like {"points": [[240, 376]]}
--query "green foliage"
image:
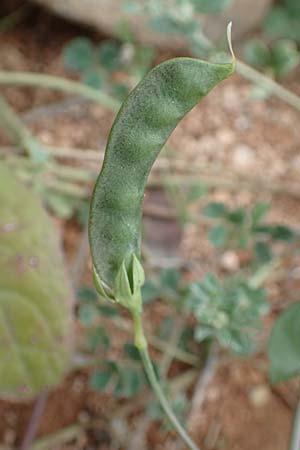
{"points": [[35, 298], [179, 404], [283, 21], [109, 54], [183, 197], [126, 378], [79, 54], [231, 313], [210, 6], [218, 235], [284, 345], [97, 64], [245, 229], [278, 60], [167, 285]]}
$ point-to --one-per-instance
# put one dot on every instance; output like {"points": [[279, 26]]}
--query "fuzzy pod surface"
{"points": [[145, 121]]}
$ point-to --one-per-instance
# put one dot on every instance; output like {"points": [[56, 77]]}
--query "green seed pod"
{"points": [[145, 121], [35, 298]]}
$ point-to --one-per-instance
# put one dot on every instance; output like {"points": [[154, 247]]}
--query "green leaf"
{"points": [[124, 30], [262, 252], [98, 340], [169, 278], [123, 290], [284, 345], [282, 23], [93, 78], [129, 382], [293, 7], [131, 351], [79, 54], [131, 7], [86, 314], [211, 6], [150, 291], [86, 294], [138, 275], [281, 233], [120, 90], [257, 53], [237, 216], [285, 57], [203, 332], [35, 297], [100, 380], [195, 192], [165, 23], [107, 311], [218, 235], [259, 212], [61, 205], [109, 55], [215, 210]]}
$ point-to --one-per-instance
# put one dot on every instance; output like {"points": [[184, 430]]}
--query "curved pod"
{"points": [[144, 123]]}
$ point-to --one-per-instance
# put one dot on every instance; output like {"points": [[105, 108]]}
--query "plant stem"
{"points": [[35, 420], [141, 344], [295, 436], [259, 78], [19, 132], [59, 84]]}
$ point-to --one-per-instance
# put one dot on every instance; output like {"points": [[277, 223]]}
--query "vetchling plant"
{"points": [[35, 298], [141, 128]]}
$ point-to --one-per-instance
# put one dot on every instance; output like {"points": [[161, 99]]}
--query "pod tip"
{"points": [[229, 39]]}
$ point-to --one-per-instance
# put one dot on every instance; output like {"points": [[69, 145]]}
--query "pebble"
{"points": [[230, 261], [243, 157], [259, 395]]}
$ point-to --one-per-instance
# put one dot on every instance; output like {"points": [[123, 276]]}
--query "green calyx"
{"points": [[127, 286]]}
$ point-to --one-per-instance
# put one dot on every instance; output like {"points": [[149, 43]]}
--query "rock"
{"points": [[230, 261], [259, 395], [106, 14], [243, 158]]}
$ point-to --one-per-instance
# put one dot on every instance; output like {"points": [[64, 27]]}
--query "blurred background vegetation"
{"points": [[221, 222]]}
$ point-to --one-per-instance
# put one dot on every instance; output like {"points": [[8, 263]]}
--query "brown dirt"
{"points": [[227, 132], [241, 412]]}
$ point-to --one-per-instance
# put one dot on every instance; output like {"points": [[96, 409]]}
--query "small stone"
{"points": [[242, 123], [226, 136], [259, 395], [230, 261], [243, 157]]}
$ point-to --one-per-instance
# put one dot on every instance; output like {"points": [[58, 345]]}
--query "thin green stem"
{"points": [[141, 343], [59, 84], [11, 123], [259, 78]]}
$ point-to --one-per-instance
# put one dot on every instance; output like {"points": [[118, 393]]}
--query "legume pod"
{"points": [[140, 130]]}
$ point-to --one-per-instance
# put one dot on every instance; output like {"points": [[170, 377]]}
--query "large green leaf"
{"points": [[35, 298], [284, 345]]}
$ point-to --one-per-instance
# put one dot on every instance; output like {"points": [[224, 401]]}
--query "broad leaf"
{"points": [[284, 345], [35, 299]]}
